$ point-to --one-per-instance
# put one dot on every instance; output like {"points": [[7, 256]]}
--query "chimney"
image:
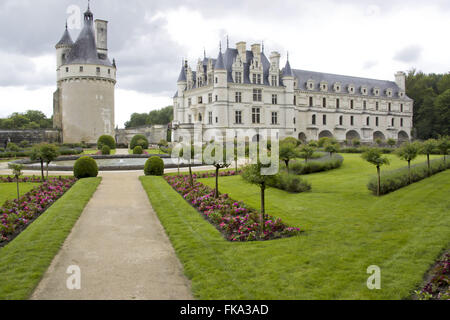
{"points": [[242, 50], [256, 49], [275, 60], [400, 80], [101, 36]]}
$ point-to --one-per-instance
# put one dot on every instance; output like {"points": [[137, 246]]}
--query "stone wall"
{"points": [[32, 136], [154, 134]]}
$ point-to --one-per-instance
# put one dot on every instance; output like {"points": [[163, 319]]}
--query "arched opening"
{"points": [[352, 134], [302, 137], [256, 138], [325, 134], [379, 135], [403, 136]]}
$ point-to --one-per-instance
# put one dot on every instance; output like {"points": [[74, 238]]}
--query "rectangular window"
{"points": [[81, 69], [311, 101], [324, 102], [352, 121], [67, 69], [238, 77], [295, 100], [377, 105], [210, 117], [217, 98], [352, 105], [200, 100], [401, 122], [256, 115], [254, 78], [238, 97], [274, 81], [338, 103], [274, 99], [257, 95], [377, 121], [313, 121], [259, 79], [364, 104], [238, 117], [390, 107], [189, 102], [341, 120], [189, 119], [324, 120], [368, 121], [98, 69], [217, 119], [401, 107], [209, 97], [393, 122], [274, 117], [109, 71]]}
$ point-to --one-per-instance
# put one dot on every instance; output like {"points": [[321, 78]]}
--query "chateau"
{"points": [[83, 104], [242, 89]]}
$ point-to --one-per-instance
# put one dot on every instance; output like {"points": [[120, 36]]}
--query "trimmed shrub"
{"points": [[85, 167], [138, 150], [106, 140], [69, 152], [289, 182], [396, 179], [106, 151], [24, 144], [300, 168], [291, 140], [154, 167], [12, 147], [139, 140]]}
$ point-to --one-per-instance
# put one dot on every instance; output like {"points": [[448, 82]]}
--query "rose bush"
{"points": [[234, 219], [17, 214]]}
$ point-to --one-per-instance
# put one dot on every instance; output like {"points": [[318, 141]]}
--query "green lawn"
{"points": [[347, 229], [8, 191], [24, 261], [150, 151]]}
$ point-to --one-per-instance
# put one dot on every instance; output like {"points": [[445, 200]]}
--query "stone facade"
{"points": [[32, 136], [84, 100], [154, 134], [242, 89]]}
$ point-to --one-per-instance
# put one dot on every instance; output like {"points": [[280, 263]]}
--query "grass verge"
{"points": [[347, 229], [24, 261], [8, 191]]}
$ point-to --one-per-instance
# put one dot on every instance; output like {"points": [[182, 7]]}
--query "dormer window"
{"points": [[310, 84], [376, 91], [238, 77], [364, 90], [351, 89], [337, 87], [389, 92], [324, 86], [81, 69], [401, 94]]}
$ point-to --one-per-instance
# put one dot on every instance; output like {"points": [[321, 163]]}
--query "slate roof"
{"points": [[84, 51], [66, 39]]}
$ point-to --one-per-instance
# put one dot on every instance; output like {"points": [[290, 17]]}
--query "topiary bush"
{"points": [[289, 182], [106, 151], [106, 140], [139, 140], [12, 147], [138, 150], [154, 167], [85, 167]]}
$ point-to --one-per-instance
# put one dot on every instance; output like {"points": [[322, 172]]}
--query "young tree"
{"points": [[253, 174], [17, 172], [222, 163], [332, 148], [408, 152], [428, 147], [49, 153], [189, 157], [288, 151], [307, 152], [36, 155], [379, 142], [444, 146], [375, 157], [391, 142]]}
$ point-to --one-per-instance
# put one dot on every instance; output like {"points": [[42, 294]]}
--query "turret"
{"points": [[220, 73], [182, 79], [288, 77], [62, 48]]}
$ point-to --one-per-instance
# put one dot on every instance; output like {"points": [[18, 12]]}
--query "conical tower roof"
{"points": [[84, 50], [66, 39], [219, 63], [182, 77], [287, 71]]}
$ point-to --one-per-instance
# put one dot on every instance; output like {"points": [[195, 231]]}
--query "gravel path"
{"points": [[120, 247]]}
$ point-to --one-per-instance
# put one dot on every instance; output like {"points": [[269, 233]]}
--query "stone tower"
{"points": [[84, 100]]}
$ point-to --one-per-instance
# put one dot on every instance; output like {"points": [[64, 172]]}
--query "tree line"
{"points": [[163, 116], [32, 119], [431, 95]]}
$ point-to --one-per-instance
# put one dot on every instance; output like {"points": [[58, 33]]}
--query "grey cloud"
{"points": [[370, 64], [409, 54]]}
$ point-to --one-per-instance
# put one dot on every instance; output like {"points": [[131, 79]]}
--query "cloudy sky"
{"points": [[148, 39]]}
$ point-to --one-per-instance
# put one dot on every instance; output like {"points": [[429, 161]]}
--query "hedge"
{"points": [[289, 182], [300, 168], [397, 179]]}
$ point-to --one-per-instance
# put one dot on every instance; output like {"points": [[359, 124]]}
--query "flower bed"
{"points": [[211, 174], [234, 219], [15, 215], [437, 288]]}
